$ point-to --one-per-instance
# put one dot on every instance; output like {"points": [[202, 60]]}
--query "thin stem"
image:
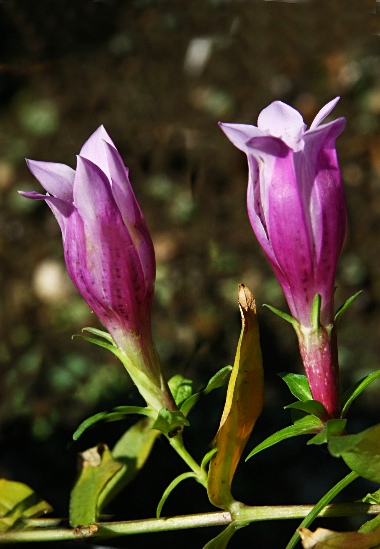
{"points": [[220, 518], [178, 445], [316, 511]]}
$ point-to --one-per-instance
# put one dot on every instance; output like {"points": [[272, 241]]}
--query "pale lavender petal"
{"points": [[57, 179], [95, 151], [60, 208], [281, 120], [92, 191], [33, 195], [240, 134], [267, 145], [325, 111], [319, 132]]}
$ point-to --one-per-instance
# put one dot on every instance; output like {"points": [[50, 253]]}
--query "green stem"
{"points": [[317, 509], [220, 518], [178, 445]]}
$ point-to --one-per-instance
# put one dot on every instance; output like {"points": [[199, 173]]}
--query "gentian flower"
{"points": [[108, 252], [297, 211]]}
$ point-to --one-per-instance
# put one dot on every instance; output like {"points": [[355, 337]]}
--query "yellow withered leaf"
{"points": [[327, 539], [244, 402]]}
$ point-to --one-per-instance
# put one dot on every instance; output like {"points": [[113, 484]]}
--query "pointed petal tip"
{"points": [[34, 195], [324, 112]]}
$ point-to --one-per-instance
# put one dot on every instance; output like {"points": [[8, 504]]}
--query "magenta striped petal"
{"points": [[295, 201], [297, 211], [108, 249]]}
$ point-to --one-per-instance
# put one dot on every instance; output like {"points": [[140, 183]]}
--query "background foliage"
{"points": [[159, 75]]}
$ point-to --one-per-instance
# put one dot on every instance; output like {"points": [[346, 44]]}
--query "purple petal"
{"points": [[122, 188], [291, 240], [132, 216], [57, 179], [255, 198], [60, 208], [92, 191], [281, 120], [328, 212], [95, 151], [240, 134], [33, 195], [325, 111], [112, 269], [267, 145]]}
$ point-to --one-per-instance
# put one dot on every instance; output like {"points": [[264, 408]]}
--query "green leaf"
{"points": [[372, 499], [132, 450], [18, 503], [189, 403], [98, 468], [333, 428], [316, 312], [206, 459], [361, 452], [221, 541], [283, 315], [325, 500], [170, 422], [304, 426], [298, 385], [218, 380], [243, 405], [110, 346], [127, 410], [370, 525], [313, 407], [170, 488], [88, 422], [353, 392], [100, 333], [181, 388], [346, 305], [118, 413]]}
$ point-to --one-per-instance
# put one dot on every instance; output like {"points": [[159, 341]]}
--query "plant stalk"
{"points": [[221, 518]]}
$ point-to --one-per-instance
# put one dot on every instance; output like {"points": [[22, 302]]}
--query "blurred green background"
{"points": [[159, 75]]}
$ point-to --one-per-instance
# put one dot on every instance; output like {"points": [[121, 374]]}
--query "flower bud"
{"points": [[297, 211], [108, 252]]}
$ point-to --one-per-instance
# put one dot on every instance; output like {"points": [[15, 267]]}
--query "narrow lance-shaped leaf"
{"points": [[221, 541], [120, 412], [298, 385], [353, 392], [243, 405], [304, 426]]}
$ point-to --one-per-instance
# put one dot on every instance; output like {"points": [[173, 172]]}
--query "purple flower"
{"points": [[108, 251], [297, 210]]}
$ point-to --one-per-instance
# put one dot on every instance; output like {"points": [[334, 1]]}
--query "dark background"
{"points": [[68, 66]]}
